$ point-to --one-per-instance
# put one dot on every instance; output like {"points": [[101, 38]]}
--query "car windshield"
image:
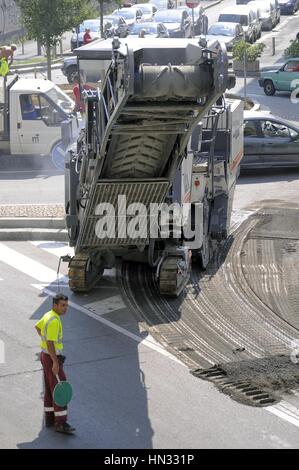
{"points": [[221, 30], [62, 100], [145, 8], [159, 3], [148, 28], [196, 11], [126, 14], [242, 19], [168, 16], [94, 26], [112, 19]]}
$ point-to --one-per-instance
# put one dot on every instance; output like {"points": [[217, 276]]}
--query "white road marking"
{"points": [[27, 265], [148, 342], [285, 411]]}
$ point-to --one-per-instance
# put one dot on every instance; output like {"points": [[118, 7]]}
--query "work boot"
{"points": [[49, 422], [64, 428]]}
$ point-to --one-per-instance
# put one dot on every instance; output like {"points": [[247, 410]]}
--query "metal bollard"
{"points": [[273, 45]]}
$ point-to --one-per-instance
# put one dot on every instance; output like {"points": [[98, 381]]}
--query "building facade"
{"points": [[10, 22]]}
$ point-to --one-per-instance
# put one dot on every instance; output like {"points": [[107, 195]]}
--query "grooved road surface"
{"points": [[243, 310]]}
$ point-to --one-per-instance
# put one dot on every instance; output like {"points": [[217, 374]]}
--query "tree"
{"points": [[47, 20]]}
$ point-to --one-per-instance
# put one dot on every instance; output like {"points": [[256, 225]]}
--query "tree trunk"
{"points": [[102, 16], [49, 60]]}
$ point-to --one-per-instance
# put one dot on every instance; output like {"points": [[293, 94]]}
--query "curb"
{"points": [[32, 68], [212, 4], [31, 234], [15, 223]]}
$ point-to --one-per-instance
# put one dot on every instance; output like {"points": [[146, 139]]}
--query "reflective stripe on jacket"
{"points": [[50, 326]]}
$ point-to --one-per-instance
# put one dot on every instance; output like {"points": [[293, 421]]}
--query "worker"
{"points": [[7, 52], [79, 103], [29, 111], [49, 328], [4, 69]]}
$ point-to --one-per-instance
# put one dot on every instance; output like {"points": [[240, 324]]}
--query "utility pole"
{"points": [[101, 16], [245, 76]]}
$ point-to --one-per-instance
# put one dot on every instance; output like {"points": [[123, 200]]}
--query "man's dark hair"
{"points": [[59, 297]]}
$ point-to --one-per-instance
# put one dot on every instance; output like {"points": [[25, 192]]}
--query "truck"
{"points": [[31, 114], [152, 176]]}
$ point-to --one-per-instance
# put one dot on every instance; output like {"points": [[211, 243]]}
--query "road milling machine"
{"points": [[158, 135]]}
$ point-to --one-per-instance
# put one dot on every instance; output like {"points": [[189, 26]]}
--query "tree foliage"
{"points": [[292, 50], [47, 20], [253, 51]]}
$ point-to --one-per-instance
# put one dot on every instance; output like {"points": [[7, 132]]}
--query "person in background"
{"points": [[79, 103], [29, 112], [7, 52], [87, 37]]}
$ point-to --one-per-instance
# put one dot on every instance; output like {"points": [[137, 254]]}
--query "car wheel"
{"points": [[269, 88], [71, 73], [58, 153]]}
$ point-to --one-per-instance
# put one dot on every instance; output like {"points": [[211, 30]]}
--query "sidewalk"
{"points": [[30, 49]]}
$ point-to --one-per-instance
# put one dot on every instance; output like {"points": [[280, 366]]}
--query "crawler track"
{"points": [[240, 313]]}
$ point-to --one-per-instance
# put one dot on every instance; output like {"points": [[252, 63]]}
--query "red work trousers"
{"points": [[53, 413]]}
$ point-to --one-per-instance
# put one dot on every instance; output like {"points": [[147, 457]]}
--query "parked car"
{"points": [[70, 68], [288, 7], [95, 32], [116, 26], [276, 8], [243, 15], [269, 141], [151, 29], [201, 21], [257, 21], [266, 13], [130, 15], [227, 33], [162, 4], [282, 79], [148, 10], [178, 22]]}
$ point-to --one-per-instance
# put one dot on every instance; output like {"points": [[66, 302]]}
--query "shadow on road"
{"points": [[268, 175]]}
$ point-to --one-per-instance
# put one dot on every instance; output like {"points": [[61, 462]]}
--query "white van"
{"points": [[243, 15]]}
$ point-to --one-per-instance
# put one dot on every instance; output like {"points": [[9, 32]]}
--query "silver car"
{"points": [[227, 33], [269, 141]]}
